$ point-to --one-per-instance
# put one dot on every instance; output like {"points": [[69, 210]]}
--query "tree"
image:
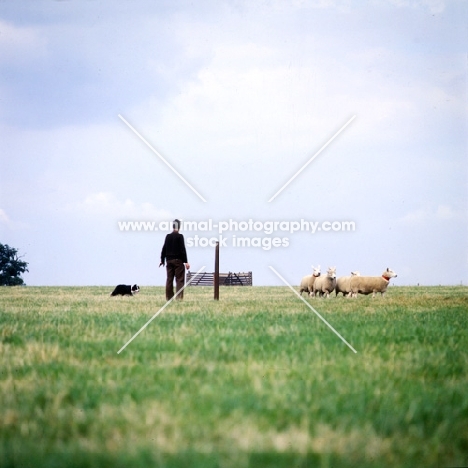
{"points": [[11, 266]]}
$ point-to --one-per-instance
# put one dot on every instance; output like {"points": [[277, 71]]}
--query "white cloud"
{"points": [[434, 6], [20, 45], [445, 212], [425, 215], [7, 222], [4, 217], [267, 94], [106, 203]]}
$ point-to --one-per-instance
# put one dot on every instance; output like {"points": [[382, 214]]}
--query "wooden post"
{"points": [[216, 273]]}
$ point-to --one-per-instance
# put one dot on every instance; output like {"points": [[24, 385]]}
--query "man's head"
{"points": [[176, 225]]}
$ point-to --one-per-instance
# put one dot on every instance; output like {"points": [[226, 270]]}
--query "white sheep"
{"points": [[371, 284], [343, 283], [308, 281], [324, 285]]}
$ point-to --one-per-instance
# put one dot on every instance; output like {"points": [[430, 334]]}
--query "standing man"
{"points": [[175, 255]]}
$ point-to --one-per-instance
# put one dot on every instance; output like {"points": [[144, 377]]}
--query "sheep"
{"points": [[304, 286], [371, 284], [316, 273], [324, 285], [308, 281], [343, 283]]}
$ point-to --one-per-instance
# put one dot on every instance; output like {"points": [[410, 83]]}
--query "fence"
{"points": [[225, 279]]}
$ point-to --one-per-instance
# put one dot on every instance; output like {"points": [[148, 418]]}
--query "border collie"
{"points": [[125, 290]]}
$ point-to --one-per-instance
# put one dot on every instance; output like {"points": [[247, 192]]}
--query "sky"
{"points": [[365, 101]]}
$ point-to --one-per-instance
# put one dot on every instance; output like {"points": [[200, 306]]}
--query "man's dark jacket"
{"points": [[174, 248]]}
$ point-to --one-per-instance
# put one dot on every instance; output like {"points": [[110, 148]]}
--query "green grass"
{"points": [[253, 380]]}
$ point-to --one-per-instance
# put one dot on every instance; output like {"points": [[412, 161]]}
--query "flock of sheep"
{"points": [[349, 286]]}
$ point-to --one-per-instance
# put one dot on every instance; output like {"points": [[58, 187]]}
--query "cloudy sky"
{"points": [[237, 96]]}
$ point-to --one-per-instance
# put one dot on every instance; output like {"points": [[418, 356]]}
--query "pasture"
{"points": [[255, 380]]}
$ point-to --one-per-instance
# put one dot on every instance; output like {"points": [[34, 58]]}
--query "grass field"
{"points": [[254, 380]]}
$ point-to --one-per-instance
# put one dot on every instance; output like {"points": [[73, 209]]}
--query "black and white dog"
{"points": [[125, 290]]}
